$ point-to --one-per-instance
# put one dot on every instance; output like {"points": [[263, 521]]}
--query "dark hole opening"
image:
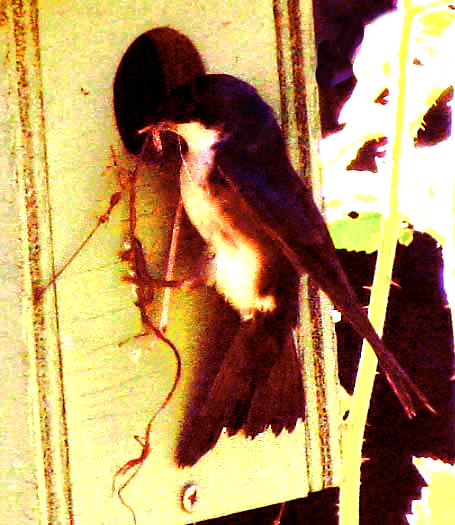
{"points": [[156, 62]]}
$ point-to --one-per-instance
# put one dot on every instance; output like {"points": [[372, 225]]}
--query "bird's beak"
{"points": [[155, 130], [162, 140]]}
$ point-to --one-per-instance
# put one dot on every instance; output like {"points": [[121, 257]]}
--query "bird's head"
{"points": [[213, 108]]}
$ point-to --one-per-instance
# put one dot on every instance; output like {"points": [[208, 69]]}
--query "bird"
{"points": [[263, 231]]}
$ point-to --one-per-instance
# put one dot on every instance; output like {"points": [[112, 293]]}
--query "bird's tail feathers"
{"points": [[259, 384], [330, 277], [410, 396]]}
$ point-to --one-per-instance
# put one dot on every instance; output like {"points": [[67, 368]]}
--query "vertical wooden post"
{"points": [[40, 319], [296, 61]]}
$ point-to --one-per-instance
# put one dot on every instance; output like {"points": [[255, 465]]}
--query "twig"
{"points": [[170, 266], [355, 427], [115, 199], [136, 463], [145, 442]]}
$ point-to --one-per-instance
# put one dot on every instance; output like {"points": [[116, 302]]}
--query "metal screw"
{"points": [[190, 497]]}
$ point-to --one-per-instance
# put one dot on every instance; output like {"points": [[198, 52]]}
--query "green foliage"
{"points": [[362, 233]]}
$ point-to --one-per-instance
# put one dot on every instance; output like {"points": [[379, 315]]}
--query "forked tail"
{"points": [[259, 384]]}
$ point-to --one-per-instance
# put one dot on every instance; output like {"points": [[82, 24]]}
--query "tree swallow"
{"points": [[263, 230]]}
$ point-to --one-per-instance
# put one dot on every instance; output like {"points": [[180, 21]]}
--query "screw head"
{"points": [[190, 497]]}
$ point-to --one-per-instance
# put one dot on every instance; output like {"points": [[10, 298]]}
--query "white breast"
{"points": [[237, 259]]}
